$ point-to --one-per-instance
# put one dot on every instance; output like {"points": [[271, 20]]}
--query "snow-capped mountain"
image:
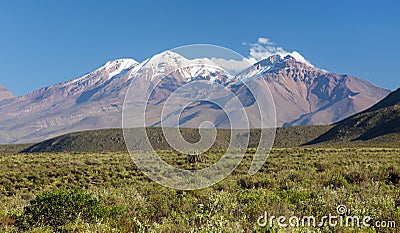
{"points": [[88, 102], [160, 76], [303, 95], [5, 94], [166, 63], [92, 101]]}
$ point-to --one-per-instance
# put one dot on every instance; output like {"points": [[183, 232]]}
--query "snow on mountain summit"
{"points": [[121, 66], [175, 60], [122, 61], [168, 62], [114, 68]]}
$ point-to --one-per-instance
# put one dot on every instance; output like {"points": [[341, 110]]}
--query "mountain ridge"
{"points": [[94, 100]]}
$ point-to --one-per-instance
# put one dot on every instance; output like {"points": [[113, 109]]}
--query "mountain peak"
{"points": [[166, 57], [109, 70], [274, 59], [289, 58], [5, 94], [125, 62], [168, 62], [278, 62], [174, 59]]}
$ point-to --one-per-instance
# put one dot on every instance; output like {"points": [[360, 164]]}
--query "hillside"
{"points": [[113, 140], [378, 124]]}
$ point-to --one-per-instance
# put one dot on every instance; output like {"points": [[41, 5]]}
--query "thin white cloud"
{"points": [[265, 48], [233, 66], [266, 41]]}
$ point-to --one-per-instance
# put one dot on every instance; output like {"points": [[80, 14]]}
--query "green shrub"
{"points": [[393, 176], [60, 207]]}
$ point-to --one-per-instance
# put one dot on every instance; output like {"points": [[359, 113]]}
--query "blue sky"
{"points": [[46, 42]]}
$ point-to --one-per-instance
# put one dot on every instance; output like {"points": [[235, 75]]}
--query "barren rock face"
{"points": [[302, 94]]}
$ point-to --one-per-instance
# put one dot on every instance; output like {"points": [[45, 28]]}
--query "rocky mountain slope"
{"points": [[89, 102], [304, 95]]}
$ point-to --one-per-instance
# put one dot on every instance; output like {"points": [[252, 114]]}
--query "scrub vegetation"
{"points": [[105, 192]]}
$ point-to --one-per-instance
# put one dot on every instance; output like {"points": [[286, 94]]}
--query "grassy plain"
{"points": [[294, 181]]}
